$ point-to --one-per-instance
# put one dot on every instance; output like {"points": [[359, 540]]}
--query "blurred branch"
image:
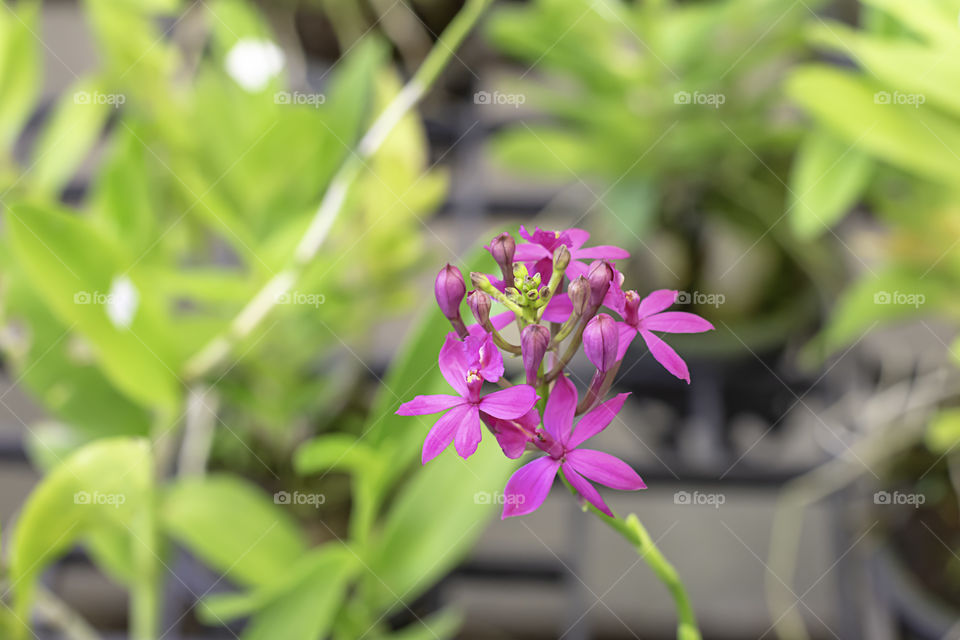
{"points": [[59, 615], [198, 434], [250, 317], [404, 29], [886, 411]]}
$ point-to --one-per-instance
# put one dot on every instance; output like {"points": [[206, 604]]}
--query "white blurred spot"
{"points": [[122, 302], [252, 63]]}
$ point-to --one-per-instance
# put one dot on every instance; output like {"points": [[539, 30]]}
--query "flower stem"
{"points": [[635, 533], [250, 317]]}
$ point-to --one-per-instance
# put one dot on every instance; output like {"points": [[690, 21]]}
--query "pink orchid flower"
{"points": [[528, 487], [465, 365], [543, 243], [648, 314]]}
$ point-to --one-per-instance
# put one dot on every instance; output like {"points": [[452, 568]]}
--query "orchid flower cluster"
{"points": [[538, 413]]}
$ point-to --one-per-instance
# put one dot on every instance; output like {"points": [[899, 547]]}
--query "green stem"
{"points": [[145, 590], [635, 533]]}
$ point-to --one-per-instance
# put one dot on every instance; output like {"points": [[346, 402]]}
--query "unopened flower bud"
{"points": [[502, 249], [450, 289], [480, 306], [579, 292], [534, 340], [599, 277], [561, 258], [520, 274], [631, 307], [601, 338]]}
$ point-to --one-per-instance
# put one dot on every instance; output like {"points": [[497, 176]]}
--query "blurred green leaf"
{"points": [[305, 608], [829, 176], [104, 484], [440, 625], [20, 71], [434, 521], [881, 299], [54, 367], [300, 605], [233, 527], [896, 62], [76, 270], [943, 432], [69, 135], [121, 202], [860, 113], [935, 20]]}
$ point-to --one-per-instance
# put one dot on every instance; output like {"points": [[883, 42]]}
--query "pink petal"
{"points": [[676, 322], [501, 320], [511, 438], [666, 356], [453, 364], [530, 253], [528, 487], [558, 309], [574, 238], [601, 252], [604, 468], [596, 421], [627, 334], [422, 405], [468, 434], [656, 302], [441, 435], [575, 269], [585, 489], [509, 403], [615, 298], [490, 359], [498, 321], [530, 420], [560, 409]]}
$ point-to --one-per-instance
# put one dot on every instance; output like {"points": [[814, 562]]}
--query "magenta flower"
{"points": [[528, 487], [644, 316], [543, 243], [465, 365]]}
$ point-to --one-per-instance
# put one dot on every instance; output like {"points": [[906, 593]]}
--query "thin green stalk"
{"points": [[145, 590], [250, 317], [635, 533]]}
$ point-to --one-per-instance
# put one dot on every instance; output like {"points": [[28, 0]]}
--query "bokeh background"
{"points": [[789, 166]]}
